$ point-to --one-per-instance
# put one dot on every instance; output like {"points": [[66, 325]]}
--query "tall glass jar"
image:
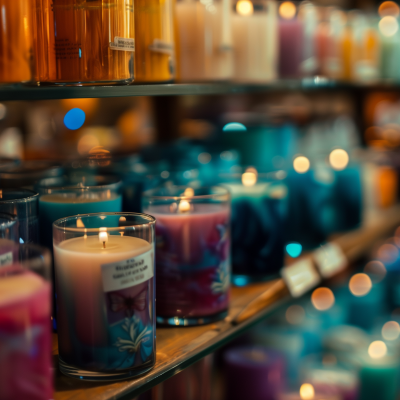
{"points": [[84, 42], [153, 40], [193, 253], [104, 267], [15, 41], [203, 38]]}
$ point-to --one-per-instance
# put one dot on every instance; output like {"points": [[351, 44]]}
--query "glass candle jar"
{"points": [[254, 27], [104, 267], [61, 198], [9, 227], [15, 41], [28, 173], [259, 212], [153, 40], [203, 38], [193, 253], [82, 42], [23, 204], [25, 359]]}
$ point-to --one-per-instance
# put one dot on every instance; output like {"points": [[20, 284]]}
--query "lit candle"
{"points": [[193, 245], [105, 295]]}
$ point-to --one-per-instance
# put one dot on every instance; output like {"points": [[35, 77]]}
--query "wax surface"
{"points": [[193, 263], [91, 322], [25, 361]]}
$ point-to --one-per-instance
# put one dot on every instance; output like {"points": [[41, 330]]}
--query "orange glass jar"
{"points": [[84, 42], [15, 41]]}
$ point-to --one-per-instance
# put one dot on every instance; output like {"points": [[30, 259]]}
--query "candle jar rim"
{"points": [[26, 195], [58, 223], [166, 193], [31, 167]]}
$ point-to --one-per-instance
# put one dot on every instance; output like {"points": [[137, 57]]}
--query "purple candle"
{"points": [[192, 253], [290, 41], [255, 373]]}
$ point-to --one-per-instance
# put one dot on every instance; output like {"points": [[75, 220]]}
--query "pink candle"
{"points": [[25, 336]]}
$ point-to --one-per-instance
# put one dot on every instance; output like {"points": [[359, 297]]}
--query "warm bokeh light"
{"points": [[377, 349], [339, 159], [388, 253], [204, 158], [307, 391], [388, 8], [79, 223], [322, 298], [360, 285], [287, 10], [89, 106], [376, 270], [86, 143], [391, 330], [189, 192], [388, 26], [244, 7], [184, 206], [301, 164], [295, 314], [249, 178]]}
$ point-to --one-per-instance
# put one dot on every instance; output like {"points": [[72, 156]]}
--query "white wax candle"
{"points": [[82, 281]]}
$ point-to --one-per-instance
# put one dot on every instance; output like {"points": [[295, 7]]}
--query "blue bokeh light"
{"points": [[294, 249], [234, 127], [74, 118]]}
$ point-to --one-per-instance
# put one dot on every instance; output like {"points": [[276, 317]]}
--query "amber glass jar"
{"points": [[15, 41], [84, 41], [153, 40]]}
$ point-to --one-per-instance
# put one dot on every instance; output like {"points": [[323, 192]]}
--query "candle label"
{"points": [[160, 46], [330, 260], [123, 44], [6, 259]]}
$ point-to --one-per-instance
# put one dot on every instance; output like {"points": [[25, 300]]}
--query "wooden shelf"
{"points": [[179, 347]]}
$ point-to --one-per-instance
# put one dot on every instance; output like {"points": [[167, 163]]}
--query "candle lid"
{"points": [[20, 202]]}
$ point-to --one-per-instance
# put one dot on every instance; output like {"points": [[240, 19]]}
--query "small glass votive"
{"points": [[259, 212], [22, 203], [104, 267], [193, 253], [25, 359], [60, 197], [28, 173], [8, 228]]}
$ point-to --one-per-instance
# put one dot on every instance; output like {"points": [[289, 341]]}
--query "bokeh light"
{"points": [[249, 178], [391, 330], [189, 192], [322, 298], [360, 285], [294, 249], [307, 391], [388, 26], [244, 7], [184, 206], [295, 314], [204, 158], [338, 159], [376, 270], [301, 164], [287, 10], [74, 119], [388, 8], [86, 143], [234, 127], [388, 253], [377, 349]]}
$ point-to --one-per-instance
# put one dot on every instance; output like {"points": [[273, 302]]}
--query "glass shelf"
{"points": [[178, 348], [24, 92]]}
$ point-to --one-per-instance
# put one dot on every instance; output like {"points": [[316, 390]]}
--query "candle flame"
{"points": [[184, 206], [189, 192], [244, 7], [103, 236]]}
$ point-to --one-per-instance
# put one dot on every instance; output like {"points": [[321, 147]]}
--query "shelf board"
{"points": [[179, 347], [25, 92]]}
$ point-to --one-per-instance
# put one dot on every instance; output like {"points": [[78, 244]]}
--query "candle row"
{"points": [[77, 43]]}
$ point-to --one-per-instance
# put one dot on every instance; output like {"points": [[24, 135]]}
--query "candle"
{"points": [[9, 227], [193, 245], [23, 204], [255, 373], [291, 41], [25, 358], [258, 220], [255, 41], [104, 266]]}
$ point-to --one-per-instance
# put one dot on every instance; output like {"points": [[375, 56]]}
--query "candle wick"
{"points": [[104, 245]]}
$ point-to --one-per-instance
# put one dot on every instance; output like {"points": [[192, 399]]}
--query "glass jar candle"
{"points": [[82, 42], [255, 30], [203, 38], [23, 204], [61, 198], [9, 227], [153, 40], [104, 267], [25, 359], [15, 41], [193, 253]]}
